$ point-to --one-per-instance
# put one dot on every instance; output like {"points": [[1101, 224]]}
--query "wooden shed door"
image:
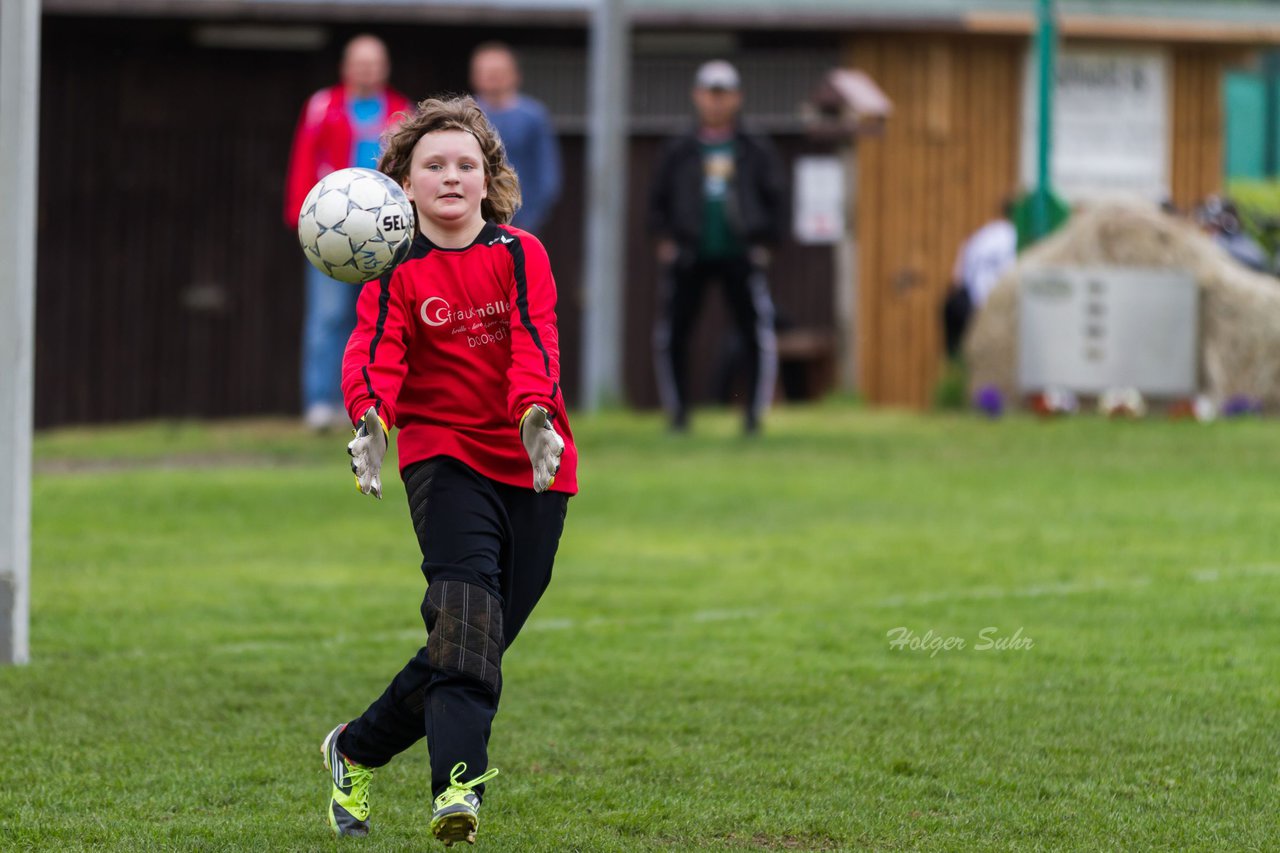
{"points": [[948, 156]]}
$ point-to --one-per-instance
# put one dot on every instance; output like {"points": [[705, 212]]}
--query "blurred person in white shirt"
{"points": [[982, 260]]}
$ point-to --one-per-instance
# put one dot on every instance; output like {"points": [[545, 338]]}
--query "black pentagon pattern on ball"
{"points": [[365, 253]]}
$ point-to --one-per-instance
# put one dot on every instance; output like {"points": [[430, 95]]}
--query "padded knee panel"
{"points": [[464, 631]]}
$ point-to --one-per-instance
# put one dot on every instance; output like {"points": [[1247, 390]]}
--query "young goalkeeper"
{"points": [[457, 347]]}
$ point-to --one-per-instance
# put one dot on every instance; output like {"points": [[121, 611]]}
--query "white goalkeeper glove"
{"points": [[543, 444], [366, 451]]}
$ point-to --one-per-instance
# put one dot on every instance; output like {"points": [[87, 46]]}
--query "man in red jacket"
{"points": [[340, 126]]}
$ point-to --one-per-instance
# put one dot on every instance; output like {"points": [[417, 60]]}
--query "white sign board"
{"points": [[1087, 329], [1110, 122], [819, 200]]}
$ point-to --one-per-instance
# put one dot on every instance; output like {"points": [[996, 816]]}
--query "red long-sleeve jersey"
{"points": [[454, 345]]}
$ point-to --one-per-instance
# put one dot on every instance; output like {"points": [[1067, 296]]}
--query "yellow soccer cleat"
{"points": [[349, 801], [455, 818]]}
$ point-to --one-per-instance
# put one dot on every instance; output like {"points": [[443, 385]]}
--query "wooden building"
{"points": [[169, 287], [950, 155]]}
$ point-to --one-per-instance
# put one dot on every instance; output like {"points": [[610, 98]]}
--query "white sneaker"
{"points": [[321, 417]]}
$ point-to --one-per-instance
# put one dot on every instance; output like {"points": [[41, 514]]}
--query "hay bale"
{"points": [[1239, 308]]}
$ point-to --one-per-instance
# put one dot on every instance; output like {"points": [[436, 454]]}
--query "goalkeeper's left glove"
{"points": [[543, 444], [366, 451]]}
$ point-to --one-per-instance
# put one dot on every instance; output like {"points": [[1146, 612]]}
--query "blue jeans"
{"points": [[330, 316]]}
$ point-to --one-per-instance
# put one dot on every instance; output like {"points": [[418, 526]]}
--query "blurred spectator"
{"points": [[982, 259], [715, 204], [1219, 218], [340, 127], [525, 128]]}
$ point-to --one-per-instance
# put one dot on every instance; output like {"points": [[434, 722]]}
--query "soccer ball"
{"points": [[355, 225]]}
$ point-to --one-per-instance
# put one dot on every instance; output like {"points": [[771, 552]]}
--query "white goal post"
{"points": [[19, 123]]}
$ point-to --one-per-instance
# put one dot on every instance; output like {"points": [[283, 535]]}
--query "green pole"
{"points": [[1046, 38], [1271, 112]]}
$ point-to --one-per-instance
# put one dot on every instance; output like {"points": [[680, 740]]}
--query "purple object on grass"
{"points": [[1241, 404], [989, 401]]}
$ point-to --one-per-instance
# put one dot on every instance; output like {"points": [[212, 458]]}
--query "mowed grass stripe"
{"points": [[711, 668]]}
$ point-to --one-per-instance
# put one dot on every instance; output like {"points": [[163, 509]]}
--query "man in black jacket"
{"points": [[715, 205]]}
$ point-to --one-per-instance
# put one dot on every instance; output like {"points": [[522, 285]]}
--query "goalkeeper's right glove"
{"points": [[543, 444], [366, 451]]}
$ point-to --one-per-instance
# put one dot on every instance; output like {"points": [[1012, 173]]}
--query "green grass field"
{"points": [[711, 668]]}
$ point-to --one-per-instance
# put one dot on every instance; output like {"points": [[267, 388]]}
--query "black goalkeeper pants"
{"points": [[487, 552], [746, 292]]}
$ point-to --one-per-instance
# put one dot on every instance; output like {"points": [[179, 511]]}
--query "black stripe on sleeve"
{"points": [[522, 302], [420, 248], [377, 403], [384, 305]]}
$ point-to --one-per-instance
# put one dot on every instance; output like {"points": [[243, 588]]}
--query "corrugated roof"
{"points": [[962, 14], [1201, 9], [1209, 20], [449, 11]]}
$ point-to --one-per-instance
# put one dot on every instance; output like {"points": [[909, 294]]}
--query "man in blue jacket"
{"points": [[525, 128]]}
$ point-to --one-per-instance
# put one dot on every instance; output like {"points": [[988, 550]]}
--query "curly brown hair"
{"points": [[463, 114]]}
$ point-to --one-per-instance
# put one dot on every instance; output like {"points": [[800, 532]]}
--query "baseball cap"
{"points": [[717, 74]]}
